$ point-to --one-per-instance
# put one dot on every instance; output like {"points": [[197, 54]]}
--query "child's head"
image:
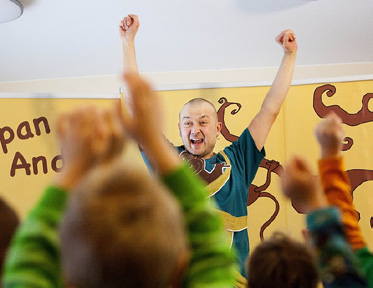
{"points": [[121, 229], [9, 222], [282, 263]]}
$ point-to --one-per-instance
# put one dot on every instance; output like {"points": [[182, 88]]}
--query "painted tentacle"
{"points": [[274, 215], [224, 130]]}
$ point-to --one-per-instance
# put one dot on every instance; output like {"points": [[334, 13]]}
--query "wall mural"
{"points": [[357, 176], [364, 115], [30, 155]]}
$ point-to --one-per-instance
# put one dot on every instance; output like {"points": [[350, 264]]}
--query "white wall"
{"points": [[109, 85]]}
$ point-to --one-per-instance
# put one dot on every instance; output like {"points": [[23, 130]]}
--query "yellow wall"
{"points": [[23, 190], [291, 134]]}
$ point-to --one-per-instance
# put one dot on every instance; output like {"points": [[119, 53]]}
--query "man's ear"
{"points": [[180, 269], [219, 126]]}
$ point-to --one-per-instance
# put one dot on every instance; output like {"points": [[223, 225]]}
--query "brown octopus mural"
{"points": [[364, 115], [357, 176]]}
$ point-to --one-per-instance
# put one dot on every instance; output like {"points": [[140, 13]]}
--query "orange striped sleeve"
{"points": [[336, 185]]}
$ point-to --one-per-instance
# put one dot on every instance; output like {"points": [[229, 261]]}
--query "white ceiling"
{"points": [[73, 38]]}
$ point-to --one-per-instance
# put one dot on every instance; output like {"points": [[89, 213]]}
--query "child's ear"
{"points": [[180, 269]]}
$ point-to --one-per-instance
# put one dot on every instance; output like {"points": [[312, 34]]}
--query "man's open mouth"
{"points": [[196, 141]]}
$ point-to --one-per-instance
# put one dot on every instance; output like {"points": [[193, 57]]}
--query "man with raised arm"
{"points": [[230, 172]]}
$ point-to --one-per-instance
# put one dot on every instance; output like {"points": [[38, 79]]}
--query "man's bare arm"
{"points": [[263, 121], [128, 28]]}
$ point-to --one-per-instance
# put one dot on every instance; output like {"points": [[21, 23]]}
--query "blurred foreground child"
{"points": [[102, 223], [282, 262], [337, 188]]}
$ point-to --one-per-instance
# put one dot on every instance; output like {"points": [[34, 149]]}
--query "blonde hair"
{"points": [[121, 229]]}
